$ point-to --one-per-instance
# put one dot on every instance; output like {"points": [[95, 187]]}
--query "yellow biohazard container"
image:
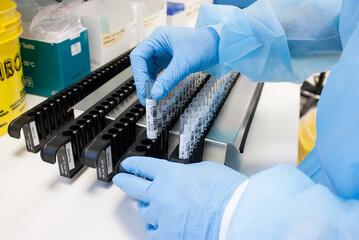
{"points": [[12, 91]]}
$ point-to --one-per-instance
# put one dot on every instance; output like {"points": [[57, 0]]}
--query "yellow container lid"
{"points": [[11, 23], [10, 34], [7, 10]]}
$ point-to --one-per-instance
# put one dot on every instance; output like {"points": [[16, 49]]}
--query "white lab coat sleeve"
{"points": [[275, 41], [229, 210], [284, 203]]}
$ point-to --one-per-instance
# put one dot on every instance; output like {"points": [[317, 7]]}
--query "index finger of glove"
{"points": [[145, 166], [134, 186], [140, 69]]}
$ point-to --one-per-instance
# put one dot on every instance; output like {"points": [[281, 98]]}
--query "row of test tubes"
{"points": [[198, 117], [162, 114]]}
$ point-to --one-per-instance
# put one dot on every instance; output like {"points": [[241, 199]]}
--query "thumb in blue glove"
{"points": [[179, 50], [181, 201]]}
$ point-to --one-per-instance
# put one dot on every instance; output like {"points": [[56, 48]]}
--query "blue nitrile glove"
{"points": [[179, 50], [182, 201]]}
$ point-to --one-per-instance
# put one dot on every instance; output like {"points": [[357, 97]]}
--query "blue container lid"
{"points": [[174, 8]]}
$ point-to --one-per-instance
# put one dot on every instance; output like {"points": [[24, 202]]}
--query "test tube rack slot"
{"points": [[67, 144], [43, 120]]}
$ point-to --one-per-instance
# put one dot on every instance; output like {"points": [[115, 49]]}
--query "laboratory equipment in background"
{"points": [[184, 13], [12, 92], [54, 47], [176, 15], [113, 28], [152, 14]]}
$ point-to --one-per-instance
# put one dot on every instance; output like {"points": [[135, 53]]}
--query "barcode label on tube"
{"points": [[151, 118], [184, 146]]}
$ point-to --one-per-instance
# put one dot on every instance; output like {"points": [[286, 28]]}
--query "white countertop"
{"points": [[36, 203]]}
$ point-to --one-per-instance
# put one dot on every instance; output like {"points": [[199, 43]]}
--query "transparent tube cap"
{"points": [[149, 85]]}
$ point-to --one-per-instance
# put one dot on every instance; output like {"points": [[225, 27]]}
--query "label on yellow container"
{"points": [[12, 91]]}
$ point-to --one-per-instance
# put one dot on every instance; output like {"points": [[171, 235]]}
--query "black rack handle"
{"points": [[49, 154], [54, 112], [105, 150], [82, 130]]}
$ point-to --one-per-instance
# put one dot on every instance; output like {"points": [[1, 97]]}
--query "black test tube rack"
{"points": [[42, 121], [106, 149], [197, 153], [156, 147], [67, 144]]}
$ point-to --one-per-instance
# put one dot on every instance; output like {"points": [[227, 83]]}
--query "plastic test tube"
{"points": [[160, 116], [185, 136], [191, 112], [172, 101], [197, 109], [180, 95], [205, 107], [208, 92], [165, 114], [201, 112], [151, 112]]}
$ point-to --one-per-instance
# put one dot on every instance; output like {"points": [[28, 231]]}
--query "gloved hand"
{"points": [[182, 201], [179, 50]]}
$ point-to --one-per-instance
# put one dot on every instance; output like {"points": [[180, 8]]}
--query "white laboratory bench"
{"points": [[36, 203]]}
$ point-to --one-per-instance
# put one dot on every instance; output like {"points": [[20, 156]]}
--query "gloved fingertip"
{"points": [[128, 163], [118, 180], [158, 92], [141, 93], [142, 101]]}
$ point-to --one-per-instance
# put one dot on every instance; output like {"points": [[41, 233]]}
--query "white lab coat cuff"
{"points": [[231, 206]]}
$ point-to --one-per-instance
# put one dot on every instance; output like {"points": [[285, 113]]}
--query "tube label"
{"points": [[151, 118], [184, 146]]}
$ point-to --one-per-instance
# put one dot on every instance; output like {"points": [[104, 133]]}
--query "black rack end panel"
{"points": [[74, 136], [43, 120], [105, 150]]}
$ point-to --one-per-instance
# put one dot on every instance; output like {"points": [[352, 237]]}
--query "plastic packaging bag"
{"points": [[57, 22]]}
